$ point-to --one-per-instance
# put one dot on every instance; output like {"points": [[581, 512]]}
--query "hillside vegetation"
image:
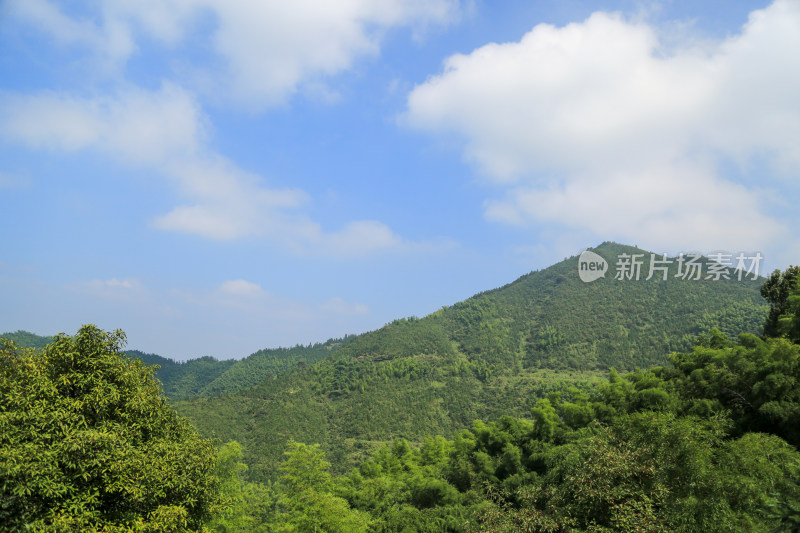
{"points": [[494, 354], [707, 442], [208, 376], [27, 339], [431, 424]]}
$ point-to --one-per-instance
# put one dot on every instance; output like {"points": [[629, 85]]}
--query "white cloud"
{"points": [[248, 296], [48, 121], [123, 290], [670, 207], [166, 20], [47, 16], [150, 127], [229, 203], [338, 306], [305, 39], [361, 237], [245, 297], [598, 125], [166, 131], [240, 287], [263, 49], [110, 41]]}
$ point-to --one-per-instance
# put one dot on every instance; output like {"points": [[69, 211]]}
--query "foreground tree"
{"points": [[249, 506], [782, 291], [307, 503], [87, 443]]}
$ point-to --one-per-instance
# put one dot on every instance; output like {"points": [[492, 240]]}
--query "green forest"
{"points": [[546, 405]]}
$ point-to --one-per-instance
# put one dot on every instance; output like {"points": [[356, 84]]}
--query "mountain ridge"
{"points": [[546, 318], [493, 354]]}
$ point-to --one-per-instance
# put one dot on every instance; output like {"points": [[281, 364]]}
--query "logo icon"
{"points": [[591, 266]]}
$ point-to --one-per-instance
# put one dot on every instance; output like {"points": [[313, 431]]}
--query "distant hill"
{"points": [[27, 339], [493, 354], [269, 363], [207, 376], [184, 379], [180, 380], [552, 319]]}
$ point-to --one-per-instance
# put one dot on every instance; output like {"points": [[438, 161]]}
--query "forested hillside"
{"points": [[27, 339], [707, 442], [208, 376], [184, 379], [551, 319], [406, 429], [268, 363], [494, 354], [546, 319]]}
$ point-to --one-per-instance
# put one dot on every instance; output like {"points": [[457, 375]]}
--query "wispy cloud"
{"points": [[114, 289], [240, 287], [10, 180], [251, 298], [165, 130], [338, 306], [109, 42], [261, 52], [299, 45], [133, 125], [305, 40]]}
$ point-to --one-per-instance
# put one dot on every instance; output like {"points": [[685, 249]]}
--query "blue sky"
{"points": [[216, 176]]}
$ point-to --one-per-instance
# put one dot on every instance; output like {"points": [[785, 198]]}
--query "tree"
{"points": [[307, 503], [248, 505], [782, 291], [88, 443]]}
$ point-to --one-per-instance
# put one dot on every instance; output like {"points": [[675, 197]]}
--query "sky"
{"points": [[215, 177]]}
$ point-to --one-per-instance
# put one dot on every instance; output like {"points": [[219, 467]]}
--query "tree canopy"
{"points": [[782, 291], [88, 443], [708, 441]]}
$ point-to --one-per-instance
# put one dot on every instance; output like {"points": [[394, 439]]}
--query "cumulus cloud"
{"points": [[305, 39], [263, 50], [600, 125], [668, 207]]}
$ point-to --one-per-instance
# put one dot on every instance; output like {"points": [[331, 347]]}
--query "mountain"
{"points": [[179, 380], [208, 376], [493, 354], [267, 363], [27, 339], [552, 319], [184, 379]]}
